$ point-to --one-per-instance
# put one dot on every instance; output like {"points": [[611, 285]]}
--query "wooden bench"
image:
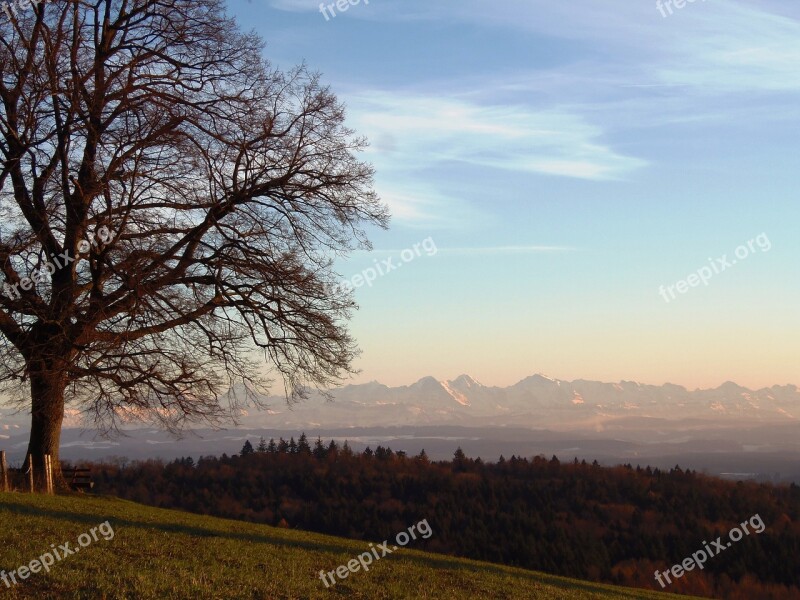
{"points": [[78, 478]]}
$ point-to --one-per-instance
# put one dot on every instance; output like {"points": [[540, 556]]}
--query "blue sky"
{"points": [[568, 159]]}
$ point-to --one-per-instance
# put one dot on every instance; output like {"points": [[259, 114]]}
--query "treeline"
{"points": [[580, 520]]}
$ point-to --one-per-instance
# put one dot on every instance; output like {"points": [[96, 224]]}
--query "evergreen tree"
{"points": [[333, 448], [319, 449], [302, 445], [346, 450], [460, 460], [247, 448], [262, 445], [272, 447]]}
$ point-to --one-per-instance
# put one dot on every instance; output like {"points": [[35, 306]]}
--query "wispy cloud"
{"points": [[421, 204], [420, 131], [414, 136], [482, 250], [494, 250], [730, 47], [717, 47], [627, 68]]}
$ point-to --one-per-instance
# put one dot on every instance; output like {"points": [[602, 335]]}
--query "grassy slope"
{"points": [[169, 554]]}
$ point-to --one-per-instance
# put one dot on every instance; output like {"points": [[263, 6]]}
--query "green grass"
{"points": [[164, 554]]}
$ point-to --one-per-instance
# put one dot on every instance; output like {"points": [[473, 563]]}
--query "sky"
{"points": [[597, 189]]}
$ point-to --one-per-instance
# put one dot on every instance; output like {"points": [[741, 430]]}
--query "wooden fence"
{"points": [[28, 476]]}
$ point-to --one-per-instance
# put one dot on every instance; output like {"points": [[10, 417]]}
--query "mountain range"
{"points": [[729, 430], [537, 402]]}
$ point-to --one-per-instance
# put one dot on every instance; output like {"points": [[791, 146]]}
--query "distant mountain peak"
{"points": [[426, 382], [373, 384], [465, 380], [731, 386], [538, 379]]}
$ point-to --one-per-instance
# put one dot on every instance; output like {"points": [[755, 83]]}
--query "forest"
{"points": [[616, 525]]}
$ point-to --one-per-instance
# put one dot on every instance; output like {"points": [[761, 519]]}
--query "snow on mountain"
{"points": [[541, 401], [372, 392], [465, 381], [457, 396]]}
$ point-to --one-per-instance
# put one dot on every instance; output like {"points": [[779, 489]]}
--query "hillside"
{"points": [[164, 554], [579, 520]]}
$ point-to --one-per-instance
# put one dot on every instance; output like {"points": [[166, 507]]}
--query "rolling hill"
{"points": [[163, 554]]}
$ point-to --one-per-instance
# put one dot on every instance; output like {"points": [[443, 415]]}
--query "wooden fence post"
{"points": [[3, 472], [30, 471], [48, 474]]}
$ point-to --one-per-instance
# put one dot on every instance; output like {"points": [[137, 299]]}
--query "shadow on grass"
{"points": [[452, 564]]}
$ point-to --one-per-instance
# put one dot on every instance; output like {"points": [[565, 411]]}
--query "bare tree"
{"points": [[170, 205]]}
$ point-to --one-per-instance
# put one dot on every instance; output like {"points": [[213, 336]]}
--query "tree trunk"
{"points": [[47, 415]]}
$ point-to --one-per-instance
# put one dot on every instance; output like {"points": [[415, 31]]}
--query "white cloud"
{"points": [[417, 204], [737, 48], [717, 46], [482, 250], [493, 250], [412, 132]]}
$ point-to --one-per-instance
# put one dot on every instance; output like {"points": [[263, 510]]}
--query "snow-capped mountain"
{"points": [[537, 401]]}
